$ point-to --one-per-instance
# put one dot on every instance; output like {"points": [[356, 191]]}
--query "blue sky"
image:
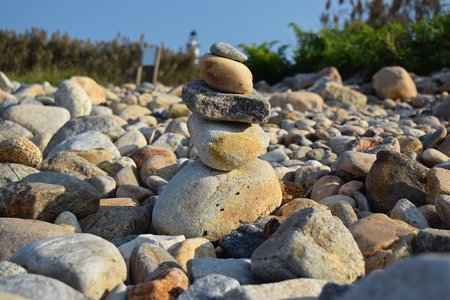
{"points": [[166, 21]]}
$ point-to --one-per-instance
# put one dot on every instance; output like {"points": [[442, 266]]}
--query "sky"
{"points": [[167, 22]]}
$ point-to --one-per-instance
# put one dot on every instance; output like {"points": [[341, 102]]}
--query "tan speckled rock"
{"points": [[203, 202], [193, 248], [226, 145], [298, 204], [300, 100], [20, 150], [225, 75], [309, 244], [94, 156], [394, 83], [92, 88], [382, 240]]}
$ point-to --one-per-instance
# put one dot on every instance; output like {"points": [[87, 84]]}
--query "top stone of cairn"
{"points": [[227, 51]]}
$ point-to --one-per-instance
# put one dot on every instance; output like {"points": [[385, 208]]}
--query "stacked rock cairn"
{"points": [[225, 131]]}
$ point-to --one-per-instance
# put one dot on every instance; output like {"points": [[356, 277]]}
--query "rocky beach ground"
{"points": [[312, 188]]}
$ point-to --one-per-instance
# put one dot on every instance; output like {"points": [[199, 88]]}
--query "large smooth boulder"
{"points": [[394, 83], [309, 244], [203, 202], [85, 262]]}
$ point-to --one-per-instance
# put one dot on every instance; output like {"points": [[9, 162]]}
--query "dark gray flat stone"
{"points": [[217, 106]]}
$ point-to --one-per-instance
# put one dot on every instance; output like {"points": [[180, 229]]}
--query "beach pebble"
{"points": [[225, 75], [227, 51]]}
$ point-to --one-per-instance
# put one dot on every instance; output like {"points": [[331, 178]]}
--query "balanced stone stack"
{"points": [[228, 186]]}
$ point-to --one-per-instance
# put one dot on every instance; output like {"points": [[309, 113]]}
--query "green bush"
{"points": [[265, 63], [420, 47], [34, 57]]}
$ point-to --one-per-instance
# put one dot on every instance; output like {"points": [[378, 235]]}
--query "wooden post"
{"points": [[139, 75], [156, 66]]}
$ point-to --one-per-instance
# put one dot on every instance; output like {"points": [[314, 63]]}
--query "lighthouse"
{"points": [[193, 47]]}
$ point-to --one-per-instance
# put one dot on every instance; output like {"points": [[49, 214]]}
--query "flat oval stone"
{"points": [[36, 118], [216, 106], [226, 145], [200, 201], [225, 75], [227, 51]]}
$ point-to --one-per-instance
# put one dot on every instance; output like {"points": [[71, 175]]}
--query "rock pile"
{"points": [[228, 185], [211, 191]]}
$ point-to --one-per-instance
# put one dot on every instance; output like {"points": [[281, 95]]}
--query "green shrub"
{"points": [[265, 63], [34, 57], [420, 47]]}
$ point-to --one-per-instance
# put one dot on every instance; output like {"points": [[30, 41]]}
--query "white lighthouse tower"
{"points": [[193, 46]]}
